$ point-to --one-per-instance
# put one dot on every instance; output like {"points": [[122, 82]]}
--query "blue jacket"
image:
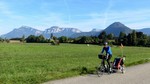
{"points": [[107, 50]]}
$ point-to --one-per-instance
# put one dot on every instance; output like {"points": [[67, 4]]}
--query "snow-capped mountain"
{"points": [[58, 32], [26, 31], [53, 29], [23, 30], [56, 29], [93, 32]]}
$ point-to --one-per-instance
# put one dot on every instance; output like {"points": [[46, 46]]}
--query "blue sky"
{"points": [[82, 14]]}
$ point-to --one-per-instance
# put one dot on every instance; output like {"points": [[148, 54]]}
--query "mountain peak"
{"points": [[117, 25], [55, 27], [116, 28], [59, 31], [25, 27]]}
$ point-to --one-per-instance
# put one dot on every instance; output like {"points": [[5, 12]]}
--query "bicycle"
{"points": [[101, 69]]}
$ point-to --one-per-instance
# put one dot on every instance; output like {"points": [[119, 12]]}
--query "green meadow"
{"points": [[37, 63]]}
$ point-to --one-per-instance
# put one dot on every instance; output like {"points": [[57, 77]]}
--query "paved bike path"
{"points": [[139, 74]]}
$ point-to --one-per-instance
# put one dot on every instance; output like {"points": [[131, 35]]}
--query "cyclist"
{"points": [[108, 51]]}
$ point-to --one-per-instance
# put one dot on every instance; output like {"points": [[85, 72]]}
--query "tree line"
{"points": [[132, 39]]}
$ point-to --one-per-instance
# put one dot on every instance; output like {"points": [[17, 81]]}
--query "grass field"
{"points": [[37, 63]]}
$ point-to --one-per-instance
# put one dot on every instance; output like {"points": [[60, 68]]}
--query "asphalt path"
{"points": [[139, 74]]}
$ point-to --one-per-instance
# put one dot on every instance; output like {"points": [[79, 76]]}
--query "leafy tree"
{"points": [[51, 37], [142, 39], [63, 39], [142, 42], [122, 35], [54, 38], [110, 36], [35, 39], [71, 40], [31, 39], [103, 37], [139, 35], [23, 38], [1, 39], [40, 39], [95, 40], [85, 39], [122, 38], [129, 37], [89, 39], [134, 38], [148, 41]]}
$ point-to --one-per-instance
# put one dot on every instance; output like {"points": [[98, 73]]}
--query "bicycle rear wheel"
{"points": [[122, 68]]}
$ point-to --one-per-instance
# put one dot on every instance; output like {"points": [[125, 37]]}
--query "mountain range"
{"points": [[26, 31], [23, 30], [114, 28]]}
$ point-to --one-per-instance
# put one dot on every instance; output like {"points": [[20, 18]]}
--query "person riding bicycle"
{"points": [[108, 51]]}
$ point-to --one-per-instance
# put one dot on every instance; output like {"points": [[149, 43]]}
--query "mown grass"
{"points": [[37, 63]]}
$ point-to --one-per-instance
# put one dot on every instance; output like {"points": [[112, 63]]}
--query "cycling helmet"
{"points": [[105, 43]]}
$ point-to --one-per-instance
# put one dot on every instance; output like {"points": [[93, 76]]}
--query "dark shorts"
{"points": [[109, 57]]}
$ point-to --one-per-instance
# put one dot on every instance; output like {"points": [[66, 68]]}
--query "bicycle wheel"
{"points": [[122, 69], [100, 70], [111, 68], [108, 70]]}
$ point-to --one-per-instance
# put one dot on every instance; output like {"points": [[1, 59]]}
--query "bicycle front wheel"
{"points": [[100, 71]]}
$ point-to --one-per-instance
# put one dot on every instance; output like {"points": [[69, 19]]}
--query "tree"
{"points": [[148, 41], [63, 39], [89, 39], [54, 38], [110, 36], [85, 39], [103, 37], [142, 39], [1, 39], [122, 35], [142, 42], [95, 40], [40, 39], [51, 37], [35, 39], [139, 35], [31, 39], [71, 40], [129, 37], [23, 39], [134, 38], [122, 38]]}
